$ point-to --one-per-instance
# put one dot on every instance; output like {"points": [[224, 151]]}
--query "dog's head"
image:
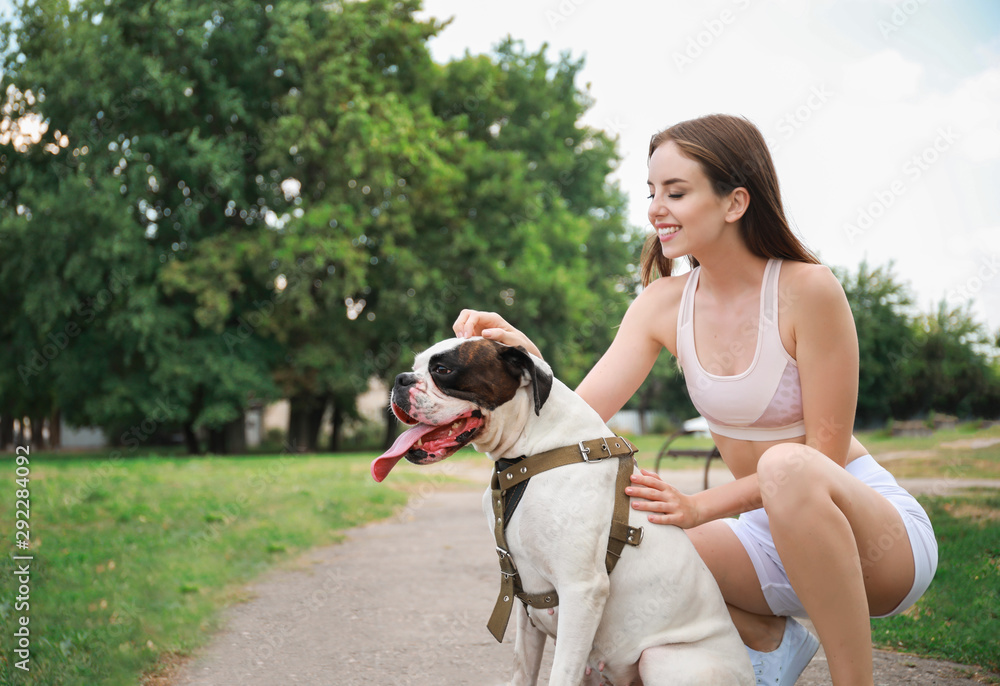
{"points": [[452, 393]]}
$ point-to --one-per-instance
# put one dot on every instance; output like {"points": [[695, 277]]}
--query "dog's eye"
{"points": [[440, 369]]}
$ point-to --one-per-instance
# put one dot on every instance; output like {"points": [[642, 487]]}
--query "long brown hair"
{"points": [[732, 154]]}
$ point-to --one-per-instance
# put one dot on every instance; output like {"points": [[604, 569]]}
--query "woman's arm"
{"points": [[644, 331], [649, 325], [826, 350]]}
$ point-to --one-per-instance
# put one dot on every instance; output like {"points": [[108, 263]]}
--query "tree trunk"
{"points": [[304, 420], [315, 424], [643, 404], [217, 441], [55, 429], [6, 431], [297, 424], [191, 439], [235, 436], [190, 435], [337, 423], [37, 437]]}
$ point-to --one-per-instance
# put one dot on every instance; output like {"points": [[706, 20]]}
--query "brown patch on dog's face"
{"points": [[476, 371]]}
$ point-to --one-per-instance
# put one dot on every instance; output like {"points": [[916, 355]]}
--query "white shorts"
{"points": [[753, 530]]}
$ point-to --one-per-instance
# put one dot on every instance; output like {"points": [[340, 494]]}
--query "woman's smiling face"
{"points": [[683, 207]]}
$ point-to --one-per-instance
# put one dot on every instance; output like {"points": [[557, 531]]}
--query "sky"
{"points": [[883, 117]]}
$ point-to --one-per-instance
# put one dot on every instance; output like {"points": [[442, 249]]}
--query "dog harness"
{"points": [[510, 477]]}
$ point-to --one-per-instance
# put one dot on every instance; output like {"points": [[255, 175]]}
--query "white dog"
{"points": [[658, 617]]}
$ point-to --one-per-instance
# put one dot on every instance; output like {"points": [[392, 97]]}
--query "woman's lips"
{"points": [[665, 233]]}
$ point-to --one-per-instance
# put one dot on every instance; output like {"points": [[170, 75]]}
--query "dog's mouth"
{"points": [[426, 444], [401, 414]]}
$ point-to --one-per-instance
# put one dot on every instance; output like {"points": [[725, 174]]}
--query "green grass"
{"points": [[134, 559], [940, 461], [958, 619], [882, 441]]}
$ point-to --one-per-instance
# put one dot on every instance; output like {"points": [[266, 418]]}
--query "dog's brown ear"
{"points": [[517, 358]]}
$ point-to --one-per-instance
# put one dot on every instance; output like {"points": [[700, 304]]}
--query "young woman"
{"points": [[766, 341]]}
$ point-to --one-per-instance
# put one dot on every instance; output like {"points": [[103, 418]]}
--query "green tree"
{"points": [[363, 147], [950, 370], [882, 308], [432, 175], [232, 203], [130, 214], [913, 364], [556, 246]]}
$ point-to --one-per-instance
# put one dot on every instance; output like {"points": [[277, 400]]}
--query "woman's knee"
{"points": [[790, 475]]}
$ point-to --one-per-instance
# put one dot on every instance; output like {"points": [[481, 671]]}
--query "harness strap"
{"points": [[584, 451], [621, 532], [509, 480], [512, 495]]}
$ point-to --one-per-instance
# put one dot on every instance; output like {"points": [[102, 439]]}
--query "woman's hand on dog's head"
{"points": [[492, 326]]}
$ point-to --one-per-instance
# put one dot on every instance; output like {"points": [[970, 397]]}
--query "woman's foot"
{"points": [[783, 665]]}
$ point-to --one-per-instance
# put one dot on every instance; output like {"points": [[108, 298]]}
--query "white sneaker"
{"points": [[782, 666]]}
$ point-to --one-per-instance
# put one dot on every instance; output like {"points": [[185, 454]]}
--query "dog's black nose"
{"points": [[407, 379]]}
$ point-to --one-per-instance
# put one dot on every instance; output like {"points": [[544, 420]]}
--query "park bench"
{"points": [[667, 451]]}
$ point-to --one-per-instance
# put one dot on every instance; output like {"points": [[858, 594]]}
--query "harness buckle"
{"points": [[506, 563], [584, 452]]}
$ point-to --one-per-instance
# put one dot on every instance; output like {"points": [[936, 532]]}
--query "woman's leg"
{"points": [[822, 521], [729, 563]]}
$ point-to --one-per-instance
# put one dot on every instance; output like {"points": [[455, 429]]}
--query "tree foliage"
{"points": [[144, 185], [913, 364], [207, 207], [230, 203]]}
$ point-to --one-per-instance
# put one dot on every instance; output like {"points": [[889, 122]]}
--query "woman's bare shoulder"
{"points": [[666, 290], [808, 285], [655, 310], [815, 303]]}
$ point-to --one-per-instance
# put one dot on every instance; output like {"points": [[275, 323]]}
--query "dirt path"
{"points": [[405, 602]]}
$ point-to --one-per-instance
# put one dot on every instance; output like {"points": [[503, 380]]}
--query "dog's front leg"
{"points": [[529, 644], [581, 606]]}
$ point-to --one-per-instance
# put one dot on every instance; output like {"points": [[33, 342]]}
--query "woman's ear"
{"points": [[739, 201]]}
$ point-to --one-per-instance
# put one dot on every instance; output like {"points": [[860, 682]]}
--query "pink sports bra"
{"points": [[763, 403]]}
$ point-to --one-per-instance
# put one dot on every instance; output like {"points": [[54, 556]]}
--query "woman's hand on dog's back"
{"points": [[492, 326]]}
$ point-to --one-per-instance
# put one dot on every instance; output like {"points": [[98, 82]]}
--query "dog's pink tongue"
{"points": [[382, 464]]}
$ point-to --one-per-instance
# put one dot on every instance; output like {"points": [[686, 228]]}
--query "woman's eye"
{"points": [[676, 196], [649, 197]]}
